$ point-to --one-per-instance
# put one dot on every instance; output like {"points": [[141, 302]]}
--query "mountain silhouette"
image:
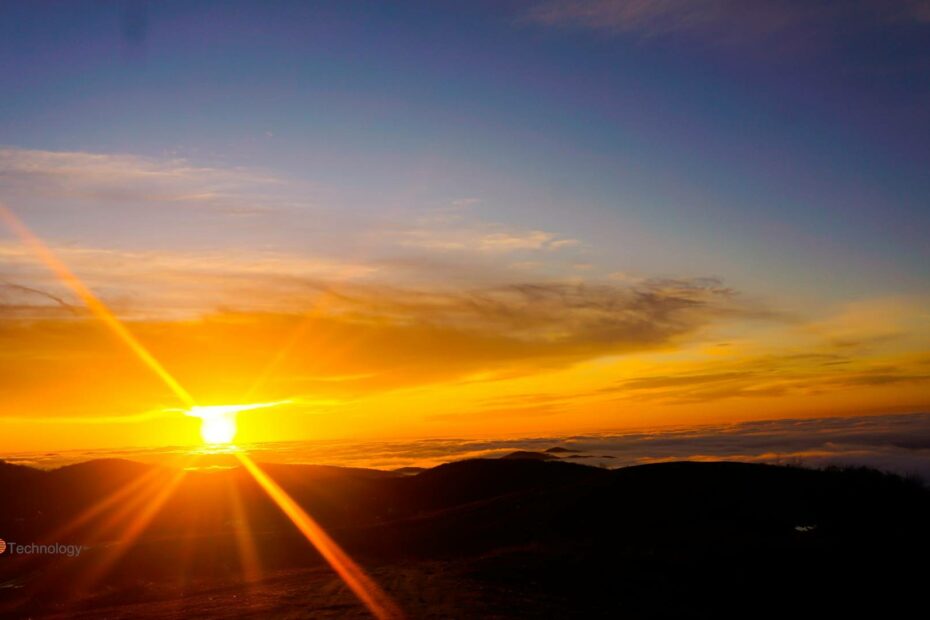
{"points": [[512, 537]]}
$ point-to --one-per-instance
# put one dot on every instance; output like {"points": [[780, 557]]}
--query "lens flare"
{"points": [[219, 426], [378, 602], [93, 303]]}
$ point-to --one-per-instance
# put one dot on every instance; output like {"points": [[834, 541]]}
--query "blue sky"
{"points": [[793, 151]]}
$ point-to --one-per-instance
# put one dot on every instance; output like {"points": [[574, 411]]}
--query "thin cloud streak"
{"points": [[725, 20], [127, 179]]}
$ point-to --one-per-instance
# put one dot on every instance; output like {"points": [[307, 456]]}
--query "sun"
{"points": [[218, 422], [218, 429]]}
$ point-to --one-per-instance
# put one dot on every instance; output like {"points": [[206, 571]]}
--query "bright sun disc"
{"points": [[218, 422], [218, 428]]}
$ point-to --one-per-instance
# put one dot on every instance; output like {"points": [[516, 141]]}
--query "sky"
{"points": [[446, 219]]}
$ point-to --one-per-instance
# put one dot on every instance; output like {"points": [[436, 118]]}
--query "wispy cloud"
{"points": [[766, 376], [16, 298], [723, 21], [127, 180], [183, 207], [149, 283], [484, 240], [458, 231]]}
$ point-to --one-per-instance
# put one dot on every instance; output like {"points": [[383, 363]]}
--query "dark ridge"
{"points": [[108, 467], [529, 455], [408, 471], [14, 471], [325, 471]]}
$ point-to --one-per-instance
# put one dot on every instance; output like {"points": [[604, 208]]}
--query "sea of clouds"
{"points": [[895, 443]]}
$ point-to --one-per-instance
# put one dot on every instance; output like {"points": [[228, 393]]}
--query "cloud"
{"points": [[16, 299], [662, 382], [725, 21], [871, 322], [919, 10], [765, 376], [352, 340], [897, 443], [149, 283], [887, 442], [582, 316], [483, 240], [131, 180], [459, 233], [83, 204], [525, 406], [455, 231]]}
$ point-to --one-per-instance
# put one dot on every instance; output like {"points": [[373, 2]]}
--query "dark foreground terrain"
{"points": [[508, 538]]}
